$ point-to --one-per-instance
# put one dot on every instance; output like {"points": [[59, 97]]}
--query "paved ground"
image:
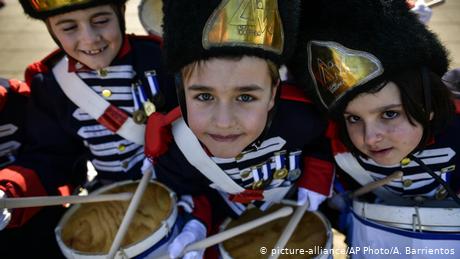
{"points": [[23, 40]]}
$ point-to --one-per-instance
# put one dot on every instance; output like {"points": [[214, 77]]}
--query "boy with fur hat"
{"points": [[240, 135], [377, 71], [90, 100]]}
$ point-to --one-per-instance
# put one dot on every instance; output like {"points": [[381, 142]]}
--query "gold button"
{"points": [[245, 174], [121, 147], [441, 194], [102, 72], [106, 93], [281, 173], [239, 156], [407, 182], [405, 161], [257, 185]]}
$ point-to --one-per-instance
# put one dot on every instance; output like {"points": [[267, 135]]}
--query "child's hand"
{"points": [[192, 232], [313, 198]]}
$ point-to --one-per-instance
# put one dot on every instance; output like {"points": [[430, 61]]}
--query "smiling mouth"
{"points": [[94, 52], [227, 138], [380, 151]]}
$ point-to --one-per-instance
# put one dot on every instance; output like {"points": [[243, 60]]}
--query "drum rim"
{"points": [[133, 249], [324, 220], [359, 207], [143, 23]]}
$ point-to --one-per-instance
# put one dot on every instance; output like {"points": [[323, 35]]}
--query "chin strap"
{"points": [[437, 178], [426, 90]]}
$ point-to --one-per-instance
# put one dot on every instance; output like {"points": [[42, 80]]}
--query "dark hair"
{"points": [[413, 98]]}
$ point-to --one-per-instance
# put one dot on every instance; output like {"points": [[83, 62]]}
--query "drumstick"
{"points": [[374, 185], [39, 201], [227, 234], [289, 229], [130, 212]]}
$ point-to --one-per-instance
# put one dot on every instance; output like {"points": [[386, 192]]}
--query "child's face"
{"points": [[378, 126], [228, 102], [92, 36]]}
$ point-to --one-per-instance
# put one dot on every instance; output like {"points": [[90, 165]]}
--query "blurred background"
{"points": [[24, 40]]}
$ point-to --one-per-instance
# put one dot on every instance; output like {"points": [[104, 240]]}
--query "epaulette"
{"points": [[12, 85], [293, 93], [41, 66]]}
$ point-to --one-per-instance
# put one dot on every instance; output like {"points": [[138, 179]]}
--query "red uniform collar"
{"points": [[73, 63]]}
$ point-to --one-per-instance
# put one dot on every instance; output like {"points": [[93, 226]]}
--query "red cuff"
{"points": [[158, 134], [318, 175], [16, 182], [202, 210]]}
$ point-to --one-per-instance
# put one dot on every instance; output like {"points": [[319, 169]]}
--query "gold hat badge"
{"points": [[336, 69], [248, 23], [48, 5]]}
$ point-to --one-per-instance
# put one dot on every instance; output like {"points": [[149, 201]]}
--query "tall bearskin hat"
{"points": [[199, 30], [348, 46], [42, 9]]}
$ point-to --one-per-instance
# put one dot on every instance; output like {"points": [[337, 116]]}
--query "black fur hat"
{"points": [[189, 25], [382, 33], [42, 9]]}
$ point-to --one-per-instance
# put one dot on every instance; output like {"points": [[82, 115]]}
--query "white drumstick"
{"points": [[289, 229], [227, 234], [130, 212], [39, 201], [376, 184]]}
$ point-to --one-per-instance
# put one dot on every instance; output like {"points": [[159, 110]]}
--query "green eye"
{"points": [[204, 97], [245, 98]]}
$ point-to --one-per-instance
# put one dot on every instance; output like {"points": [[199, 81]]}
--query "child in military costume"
{"points": [[240, 136], [377, 71], [90, 100]]}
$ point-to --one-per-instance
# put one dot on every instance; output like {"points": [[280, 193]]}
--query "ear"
{"points": [[273, 94]]}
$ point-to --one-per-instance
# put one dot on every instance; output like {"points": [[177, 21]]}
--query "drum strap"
{"points": [[106, 114], [350, 165], [195, 155]]}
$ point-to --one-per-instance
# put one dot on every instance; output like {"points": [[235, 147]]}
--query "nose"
{"points": [[89, 34], [373, 133], [224, 116]]}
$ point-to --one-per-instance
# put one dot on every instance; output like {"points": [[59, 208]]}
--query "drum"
{"points": [[88, 230], [409, 217], [151, 16], [313, 233], [403, 232]]}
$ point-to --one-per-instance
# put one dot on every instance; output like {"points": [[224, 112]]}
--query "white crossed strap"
{"points": [[195, 155], [89, 101]]}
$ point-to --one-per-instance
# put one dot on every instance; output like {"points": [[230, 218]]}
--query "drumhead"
{"points": [[312, 231], [91, 228], [151, 16]]}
